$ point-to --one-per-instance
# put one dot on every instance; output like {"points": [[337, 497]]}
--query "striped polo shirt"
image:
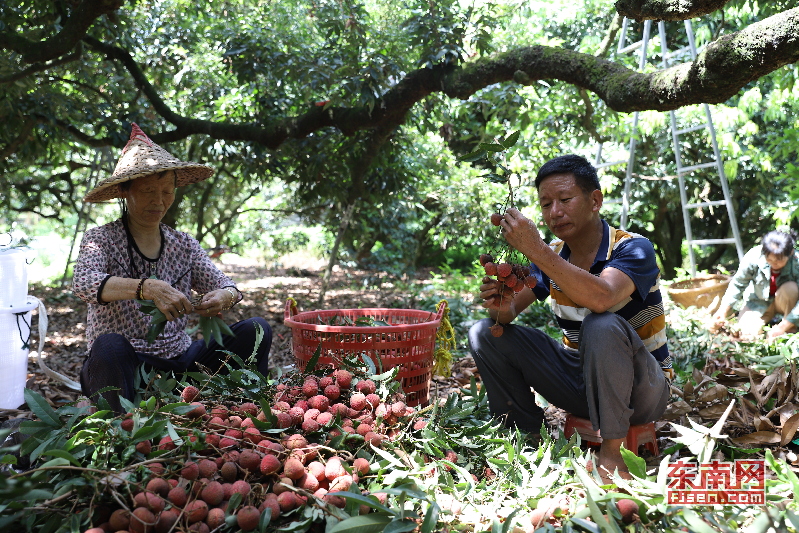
{"points": [[634, 255]]}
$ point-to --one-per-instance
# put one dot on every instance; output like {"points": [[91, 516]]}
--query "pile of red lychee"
{"points": [[274, 472]]}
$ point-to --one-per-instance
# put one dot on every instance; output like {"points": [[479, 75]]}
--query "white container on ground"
{"points": [[15, 322], [14, 275]]}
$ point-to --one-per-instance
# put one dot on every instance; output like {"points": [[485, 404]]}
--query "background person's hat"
{"points": [[142, 157]]}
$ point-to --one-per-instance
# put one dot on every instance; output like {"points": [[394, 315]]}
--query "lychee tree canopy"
{"points": [[334, 96]]}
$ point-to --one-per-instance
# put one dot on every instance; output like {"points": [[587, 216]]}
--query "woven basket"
{"points": [[408, 343], [701, 291]]}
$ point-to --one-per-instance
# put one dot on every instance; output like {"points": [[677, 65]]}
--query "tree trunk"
{"points": [[342, 228]]}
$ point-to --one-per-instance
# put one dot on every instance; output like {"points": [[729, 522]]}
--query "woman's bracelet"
{"points": [[140, 289], [232, 299]]}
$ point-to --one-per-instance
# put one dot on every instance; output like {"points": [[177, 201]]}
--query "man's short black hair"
{"points": [[584, 172]]}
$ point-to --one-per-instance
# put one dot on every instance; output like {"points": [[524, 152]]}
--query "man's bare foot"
{"points": [[610, 461]]}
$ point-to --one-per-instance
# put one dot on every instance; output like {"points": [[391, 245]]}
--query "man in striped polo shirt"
{"points": [[603, 284]]}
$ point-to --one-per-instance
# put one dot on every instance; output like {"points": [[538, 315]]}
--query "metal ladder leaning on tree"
{"points": [[676, 131]]}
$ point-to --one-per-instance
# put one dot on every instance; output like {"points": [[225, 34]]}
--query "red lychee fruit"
{"points": [[372, 400], [325, 382], [311, 414], [497, 330], [504, 270], [166, 521], [248, 408], [496, 218], [286, 501], [196, 511], [334, 468], [241, 487], [229, 471], [419, 424], [311, 426], [249, 460], [142, 521], [297, 415], [332, 392], [177, 496], [215, 518], [158, 485], [628, 510], [490, 269], [310, 389], [208, 468], [189, 394], [234, 421], [284, 420], [166, 443], [212, 493], [308, 482], [270, 465], [375, 439], [119, 520], [144, 447], [341, 483], [220, 411], [361, 466], [198, 411], [343, 378], [325, 419], [156, 468], [127, 424], [366, 386], [270, 503], [485, 258], [190, 471], [316, 469], [296, 441], [358, 401], [247, 518], [293, 468], [320, 402]]}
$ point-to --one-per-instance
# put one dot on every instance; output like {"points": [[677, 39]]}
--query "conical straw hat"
{"points": [[142, 157]]}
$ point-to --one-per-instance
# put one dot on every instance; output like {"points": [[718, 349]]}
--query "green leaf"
{"points": [[635, 464], [695, 523], [431, 518], [491, 147], [362, 524], [400, 525], [311, 365], [511, 139], [41, 408], [63, 454], [473, 156], [371, 502]]}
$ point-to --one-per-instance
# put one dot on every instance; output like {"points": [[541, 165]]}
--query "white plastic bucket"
{"points": [[15, 322], [14, 275]]}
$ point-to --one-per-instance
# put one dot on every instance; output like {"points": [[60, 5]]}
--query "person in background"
{"points": [[139, 258], [613, 364], [764, 287]]}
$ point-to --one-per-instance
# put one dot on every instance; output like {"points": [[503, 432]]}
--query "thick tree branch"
{"points": [[73, 30], [718, 73], [667, 9]]}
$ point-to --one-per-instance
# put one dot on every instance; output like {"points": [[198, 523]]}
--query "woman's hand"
{"points": [[214, 302], [170, 301], [719, 320]]}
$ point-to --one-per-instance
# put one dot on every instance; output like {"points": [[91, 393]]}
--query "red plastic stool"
{"points": [[642, 435]]}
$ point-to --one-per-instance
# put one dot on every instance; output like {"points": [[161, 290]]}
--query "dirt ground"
{"points": [[266, 291]]}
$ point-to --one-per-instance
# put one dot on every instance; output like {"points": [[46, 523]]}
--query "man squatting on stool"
{"points": [[613, 365]]}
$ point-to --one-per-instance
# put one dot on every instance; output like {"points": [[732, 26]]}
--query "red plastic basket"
{"points": [[409, 342]]}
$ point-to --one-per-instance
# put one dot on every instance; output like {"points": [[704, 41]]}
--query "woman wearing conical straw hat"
{"points": [[137, 257]]}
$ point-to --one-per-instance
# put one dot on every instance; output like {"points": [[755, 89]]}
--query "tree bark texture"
{"points": [[667, 9]]}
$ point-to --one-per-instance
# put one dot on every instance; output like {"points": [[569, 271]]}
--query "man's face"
{"points": [[568, 210]]}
